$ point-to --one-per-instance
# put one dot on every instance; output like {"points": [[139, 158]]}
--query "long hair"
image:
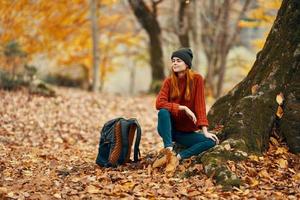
{"points": [[189, 84]]}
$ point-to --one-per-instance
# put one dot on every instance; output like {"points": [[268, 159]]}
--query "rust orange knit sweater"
{"points": [[181, 122]]}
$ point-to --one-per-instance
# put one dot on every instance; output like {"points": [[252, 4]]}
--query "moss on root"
{"points": [[215, 162]]}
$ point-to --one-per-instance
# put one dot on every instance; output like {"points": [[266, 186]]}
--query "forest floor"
{"points": [[48, 147]]}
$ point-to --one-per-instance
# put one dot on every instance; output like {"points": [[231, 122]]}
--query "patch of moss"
{"points": [[225, 177], [210, 168], [230, 183]]}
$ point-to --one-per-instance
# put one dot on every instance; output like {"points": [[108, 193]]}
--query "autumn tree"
{"points": [[214, 24], [261, 17], [148, 20], [12, 56], [267, 98], [64, 35]]}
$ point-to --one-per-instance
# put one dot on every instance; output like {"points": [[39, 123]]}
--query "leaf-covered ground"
{"points": [[48, 148]]}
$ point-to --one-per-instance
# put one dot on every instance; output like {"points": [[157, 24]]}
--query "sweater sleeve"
{"points": [[162, 100], [200, 108]]}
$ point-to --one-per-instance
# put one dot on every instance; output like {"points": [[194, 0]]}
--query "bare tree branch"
{"points": [[154, 6], [237, 28]]}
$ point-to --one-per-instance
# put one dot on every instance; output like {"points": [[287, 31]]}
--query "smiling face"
{"points": [[178, 65]]}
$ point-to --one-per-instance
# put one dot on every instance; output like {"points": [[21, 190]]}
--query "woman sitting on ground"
{"points": [[181, 105]]}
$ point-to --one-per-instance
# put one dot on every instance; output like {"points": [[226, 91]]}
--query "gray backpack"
{"points": [[116, 141]]}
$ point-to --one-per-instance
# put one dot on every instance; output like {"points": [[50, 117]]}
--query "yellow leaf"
{"points": [[128, 185], [27, 173], [11, 194], [92, 189], [253, 157], [254, 182], [280, 98], [246, 192], [3, 190], [246, 24], [227, 147], [273, 141], [264, 174], [282, 163], [297, 177], [57, 195], [281, 150]]}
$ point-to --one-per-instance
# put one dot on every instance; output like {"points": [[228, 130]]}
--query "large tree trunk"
{"points": [[248, 111], [149, 22]]}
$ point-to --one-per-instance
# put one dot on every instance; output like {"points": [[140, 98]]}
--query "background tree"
{"points": [[261, 16], [218, 29], [64, 35], [148, 20], [13, 57], [95, 35]]}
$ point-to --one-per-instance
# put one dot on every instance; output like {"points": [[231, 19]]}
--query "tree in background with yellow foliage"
{"points": [[62, 30], [262, 16]]}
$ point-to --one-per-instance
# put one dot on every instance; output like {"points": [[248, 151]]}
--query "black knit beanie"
{"points": [[184, 54]]}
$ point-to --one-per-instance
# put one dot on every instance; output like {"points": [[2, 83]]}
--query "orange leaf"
{"points": [[279, 112], [92, 189], [254, 89]]}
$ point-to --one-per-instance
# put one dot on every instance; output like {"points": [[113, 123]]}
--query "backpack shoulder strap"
{"points": [[138, 138]]}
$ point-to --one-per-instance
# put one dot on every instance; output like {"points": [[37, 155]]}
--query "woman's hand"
{"points": [[210, 135], [189, 113]]}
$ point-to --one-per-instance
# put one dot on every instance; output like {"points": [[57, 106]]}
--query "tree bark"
{"points": [[148, 21], [251, 114], [96, 59], [183, 25], [195, 25], [248, 111]]}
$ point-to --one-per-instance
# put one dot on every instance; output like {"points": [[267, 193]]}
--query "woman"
{"points": [[181, 106]]}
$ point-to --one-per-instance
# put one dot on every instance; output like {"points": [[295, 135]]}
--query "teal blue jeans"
{"points": [[195, 142]]}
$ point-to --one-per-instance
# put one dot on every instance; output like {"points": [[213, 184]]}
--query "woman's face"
{"points": [[178, 65]]}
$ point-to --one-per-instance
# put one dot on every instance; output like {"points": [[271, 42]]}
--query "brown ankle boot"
{"points": [[172, 164], [161, 159]]}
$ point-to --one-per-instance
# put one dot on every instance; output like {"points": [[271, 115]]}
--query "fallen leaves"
{"points": [[279, 112], [93, 190], [283, 163], [49, 145], [279, 100], [273, 172], [296, 177]]}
